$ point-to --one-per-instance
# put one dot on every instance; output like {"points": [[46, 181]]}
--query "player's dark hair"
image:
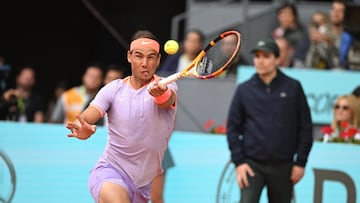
{"points": [[144, 34]]}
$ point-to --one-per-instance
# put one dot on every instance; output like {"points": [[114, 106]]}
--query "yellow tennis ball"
{"points": [[171, 47]]}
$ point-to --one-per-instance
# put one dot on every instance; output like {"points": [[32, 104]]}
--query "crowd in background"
{"points": [[324, 43], [23, 102]]}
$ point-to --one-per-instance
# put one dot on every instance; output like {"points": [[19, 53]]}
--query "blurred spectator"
{"points": [[73, 101], [286, 55], [346, 121], [23, 103], [228, 45], [350, 38], [190, 48], [346, 115], [291, 28], [113, 72], [337, 17], [2, 61], [322, 54], [4, 73], [60, 88], [352, 55], [356, 92]]}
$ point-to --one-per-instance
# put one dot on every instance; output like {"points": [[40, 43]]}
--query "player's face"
{"points": [[265, 63], [144, 63]]}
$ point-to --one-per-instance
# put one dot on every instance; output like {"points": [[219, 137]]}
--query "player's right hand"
{"points": [[81, 129]]}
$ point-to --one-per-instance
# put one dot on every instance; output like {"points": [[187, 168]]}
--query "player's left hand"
{"points": [[81, 129]]}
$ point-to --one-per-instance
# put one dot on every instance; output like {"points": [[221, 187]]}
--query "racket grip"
{"points": [[171, 78]]}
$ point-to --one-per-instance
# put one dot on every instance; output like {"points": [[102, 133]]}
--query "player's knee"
{"points": [[111, 192]]}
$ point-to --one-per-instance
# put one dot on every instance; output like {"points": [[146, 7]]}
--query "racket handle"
{"points": [[171, 78]]}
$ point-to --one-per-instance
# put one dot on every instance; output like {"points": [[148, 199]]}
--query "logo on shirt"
{"points": [[283, 94]]}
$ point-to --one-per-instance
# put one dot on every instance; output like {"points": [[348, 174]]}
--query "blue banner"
{"points": [[321, 87], [42, 165]]}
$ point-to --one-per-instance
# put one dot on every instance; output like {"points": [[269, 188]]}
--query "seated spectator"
{"points": [[286, 56], [2, 61], [322, 54], [190, 48], [346, 109], [350, 56], [356, 92], [350, 39], [23, 103], [228, 45], [290, 28], [113, 72], [346, 116], [60, 88], [337, 18], [73, 101], [4, 73]]}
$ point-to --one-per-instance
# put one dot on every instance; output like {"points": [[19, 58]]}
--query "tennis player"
{"points": [[141, 117]]}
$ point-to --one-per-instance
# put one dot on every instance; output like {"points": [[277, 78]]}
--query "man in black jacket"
{"points": [[269, 129]]}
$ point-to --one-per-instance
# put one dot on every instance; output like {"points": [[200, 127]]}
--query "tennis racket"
{"points": [[211, 61]]}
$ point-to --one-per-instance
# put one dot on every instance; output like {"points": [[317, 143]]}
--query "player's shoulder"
{"points": [[115, 84]]}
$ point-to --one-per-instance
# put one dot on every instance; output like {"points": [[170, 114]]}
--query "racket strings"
{"points": [[218, 56]]}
